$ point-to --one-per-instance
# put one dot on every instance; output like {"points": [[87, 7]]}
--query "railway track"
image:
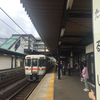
{"points": [[11, 81], [24, 92]]}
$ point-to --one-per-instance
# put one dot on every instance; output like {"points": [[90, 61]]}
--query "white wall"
{"points": [[13, 62], [89, 48], [5, 62]]}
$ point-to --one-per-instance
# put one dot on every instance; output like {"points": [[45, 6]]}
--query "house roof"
{"points": [[9, 52], [29, 35], [9, 42], [38, 38]]}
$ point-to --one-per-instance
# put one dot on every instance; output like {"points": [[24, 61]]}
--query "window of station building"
{"points": [[26, 42], [17, 62], [34, 62], [41, 46], [17, 45], [27, 62], [21, 62]]}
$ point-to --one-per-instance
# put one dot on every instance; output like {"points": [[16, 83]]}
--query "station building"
{"points": [[24, 44]]}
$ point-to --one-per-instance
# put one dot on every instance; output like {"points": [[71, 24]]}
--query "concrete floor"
{"points": [[70, 88]]}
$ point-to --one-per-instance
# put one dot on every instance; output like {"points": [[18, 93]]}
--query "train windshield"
{"points": [[34, 62], [42, 62], [27, 62]]}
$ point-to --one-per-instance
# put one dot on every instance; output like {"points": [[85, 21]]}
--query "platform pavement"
{"points": [[70, 88], [66, 88]]}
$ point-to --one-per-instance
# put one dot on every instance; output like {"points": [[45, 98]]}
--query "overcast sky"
{"points": [[15, 10]]}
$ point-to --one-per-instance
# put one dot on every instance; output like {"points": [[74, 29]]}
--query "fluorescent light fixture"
{"points": [[69, 4], [71, 54], [62, 32], [59, 42], [62, 57]]}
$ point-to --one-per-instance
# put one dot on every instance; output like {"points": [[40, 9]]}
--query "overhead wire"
{"points": [[9, 26], [13, 20]]}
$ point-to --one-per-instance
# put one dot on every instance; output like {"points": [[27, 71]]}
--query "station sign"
{"points": [[96, 36]]}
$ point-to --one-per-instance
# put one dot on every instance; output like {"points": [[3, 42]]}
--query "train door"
{"points": [[42, 66], [35, 66]]}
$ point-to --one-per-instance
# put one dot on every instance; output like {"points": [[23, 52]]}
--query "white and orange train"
{"points": [[36, 66]]}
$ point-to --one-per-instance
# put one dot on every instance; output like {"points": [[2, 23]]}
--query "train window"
{"points": [[34, 62], [27, 62], [42, 62], [41, 57]]}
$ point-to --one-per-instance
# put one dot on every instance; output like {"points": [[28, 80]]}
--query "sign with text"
{"points": [[96, 35]]}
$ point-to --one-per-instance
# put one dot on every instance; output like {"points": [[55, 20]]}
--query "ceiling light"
{"points": [[69, 4], [59, 42], [62, 32]]}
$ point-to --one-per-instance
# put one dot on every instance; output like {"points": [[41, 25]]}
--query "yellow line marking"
{"points": [[50, 91]]}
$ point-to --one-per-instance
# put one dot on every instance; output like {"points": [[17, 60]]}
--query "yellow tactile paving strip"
{"points": [[50, 91]]}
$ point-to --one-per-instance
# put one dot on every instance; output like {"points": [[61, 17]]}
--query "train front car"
{"points": [[31, 67], [35, 67]]}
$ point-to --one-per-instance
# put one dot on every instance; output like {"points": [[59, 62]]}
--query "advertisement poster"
{"points": [[96, 36]]}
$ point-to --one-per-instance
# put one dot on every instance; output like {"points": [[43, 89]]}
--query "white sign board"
{"points": [[96, 33]]}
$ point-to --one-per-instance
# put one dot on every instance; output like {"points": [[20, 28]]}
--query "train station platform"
{"points": [[66, 88]]}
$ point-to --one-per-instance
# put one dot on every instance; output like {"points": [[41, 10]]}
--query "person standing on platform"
{"points": [[80, 67], [56, 65], [68, 68], [57, 68], [61, 68], [74, 67], [86, 76], [63, 65]]}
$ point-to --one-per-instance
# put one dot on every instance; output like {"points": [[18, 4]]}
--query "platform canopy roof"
{"points": [[10, 52], [67, 23]]}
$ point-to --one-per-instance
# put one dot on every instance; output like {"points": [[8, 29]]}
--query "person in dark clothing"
{"points": [[80, 67], [63, 64], [74, 67], [56, 65], [61, 68], [68, 68], [57, 68]]}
